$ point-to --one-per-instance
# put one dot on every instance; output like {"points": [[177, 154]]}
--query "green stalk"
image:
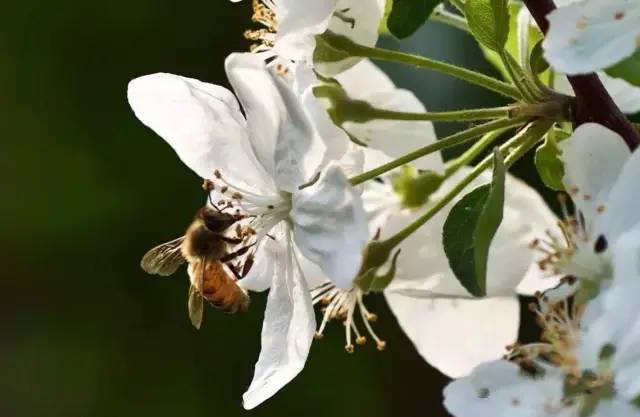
{"points": [[447, 142], [443, 16], [528, 89], [522, 142], [445, 116], [342, 43], [473, 152]]}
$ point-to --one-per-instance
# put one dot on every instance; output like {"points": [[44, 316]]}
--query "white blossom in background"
{"points": [[290, 26], [451, 329], [588, 362], [258, 162], [624, 94], [592, 35], [611, 323], [600, 176]]}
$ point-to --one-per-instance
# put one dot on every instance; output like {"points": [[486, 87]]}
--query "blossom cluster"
{"points": [[333, 179]]}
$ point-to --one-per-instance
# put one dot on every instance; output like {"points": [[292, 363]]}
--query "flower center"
{"points": [[342, 305], [575, 252], [257, 215]]}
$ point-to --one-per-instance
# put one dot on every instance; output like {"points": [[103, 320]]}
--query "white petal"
{"points": [[202, 123], [615, 407], [457, 335], [335, 139], [593, 158], [499, 389], [358, 20], [300, 151], [525, 208], [287, 332], [364, 79], [366, 15], [592, 35], [626, 95], [330, 226], [312, 272], [620, 212], [280, 132], [298, 23], [380, 92], [261, 274]]}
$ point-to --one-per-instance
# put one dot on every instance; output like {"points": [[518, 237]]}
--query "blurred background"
{"points": [[86, 189]]}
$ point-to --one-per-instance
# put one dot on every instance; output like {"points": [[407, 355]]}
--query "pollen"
{"points": [[582, 23]]}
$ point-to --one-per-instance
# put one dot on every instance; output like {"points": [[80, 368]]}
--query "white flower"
{"points": [[611, 322], [258, 162], [290, 26], [452, 330], [501, 389], [588, 362], [600, 176], [592, 35]]}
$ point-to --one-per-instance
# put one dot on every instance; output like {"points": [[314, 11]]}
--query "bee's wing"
{"points": [[164, 259], [196, 307]]}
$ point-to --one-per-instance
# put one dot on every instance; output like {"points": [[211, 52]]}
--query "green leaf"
{"points": [[549, 164], [489, 22], [407, 16], [470, 228], [536, 61], [511, 46], [628, 69]]}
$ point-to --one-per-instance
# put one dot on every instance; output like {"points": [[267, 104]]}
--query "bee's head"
{"points": [[216, 221]]}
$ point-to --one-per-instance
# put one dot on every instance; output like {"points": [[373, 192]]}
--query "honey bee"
{"points": [[205, 248]]}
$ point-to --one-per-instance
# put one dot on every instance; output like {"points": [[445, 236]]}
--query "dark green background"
{"points": [[86, 190]]}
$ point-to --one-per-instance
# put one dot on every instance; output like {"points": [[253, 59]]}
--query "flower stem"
{"points": [[522, 142], [344, 44], [593, 102], [445, 116], [447, 142], [473, 152]]}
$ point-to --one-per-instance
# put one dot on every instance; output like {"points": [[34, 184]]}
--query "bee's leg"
{"points": [[233, 269], [232, 240], [233, 255], [248, 263]]}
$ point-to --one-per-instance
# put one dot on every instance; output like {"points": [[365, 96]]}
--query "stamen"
{"points": [[342, 305]]}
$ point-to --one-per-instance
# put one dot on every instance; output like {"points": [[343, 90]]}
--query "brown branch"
{"points": [[593, 102]]}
